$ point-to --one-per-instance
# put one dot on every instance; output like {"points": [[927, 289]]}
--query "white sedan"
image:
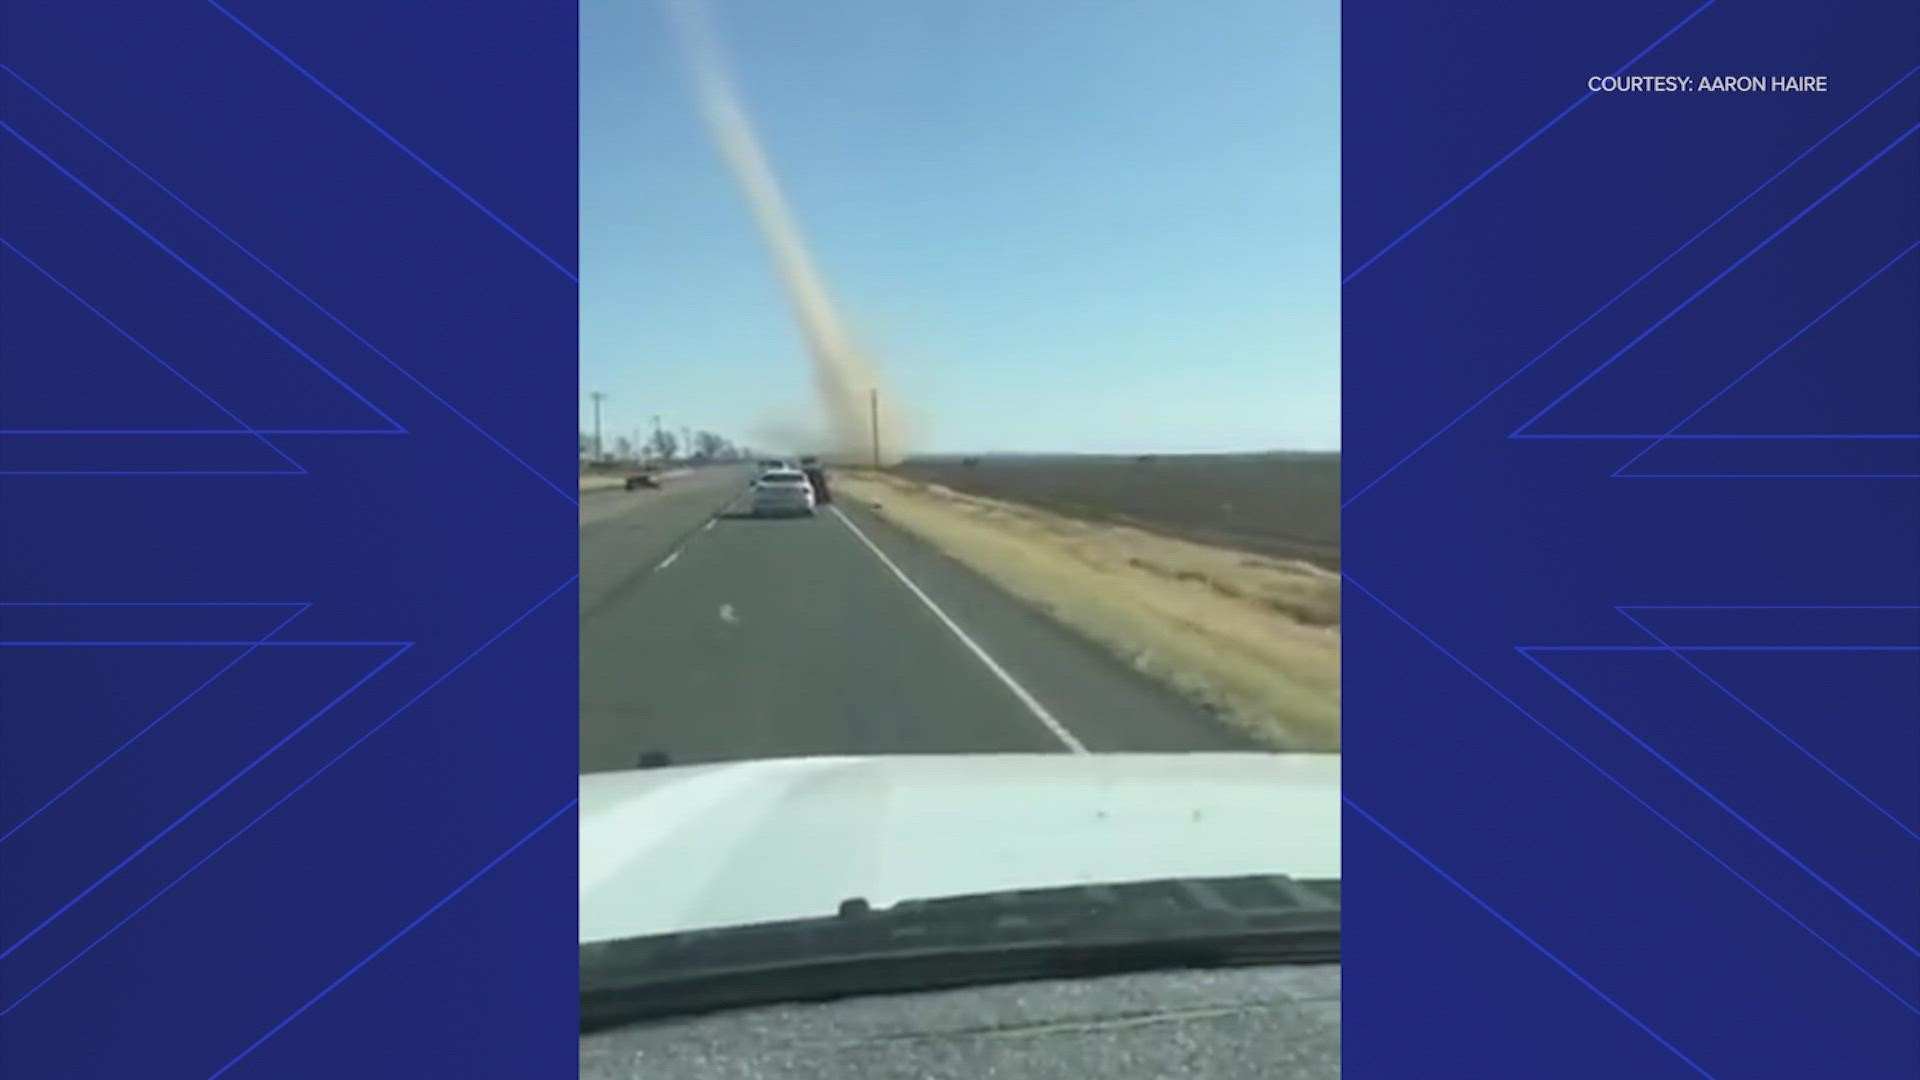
{"points": [[783, 491]]}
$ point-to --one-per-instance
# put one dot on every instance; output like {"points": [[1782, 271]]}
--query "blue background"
{"points": [[287, 656], [1631, 753], [1572, 850]]}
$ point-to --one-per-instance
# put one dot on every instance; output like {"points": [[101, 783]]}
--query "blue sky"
{"points": [[1069, 225]]}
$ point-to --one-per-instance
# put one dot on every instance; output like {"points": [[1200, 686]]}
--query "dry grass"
{"points": [[1255, 638]]}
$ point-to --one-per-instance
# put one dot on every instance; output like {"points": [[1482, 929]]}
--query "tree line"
{"points": [[664, 445]]}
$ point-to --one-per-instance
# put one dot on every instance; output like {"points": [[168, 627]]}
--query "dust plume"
{"points": [[843, 375], [787, 431]]}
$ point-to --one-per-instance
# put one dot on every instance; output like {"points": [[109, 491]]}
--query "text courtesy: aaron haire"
{"points": [[1707, 84]]}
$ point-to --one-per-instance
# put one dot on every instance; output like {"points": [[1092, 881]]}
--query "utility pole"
{"points": [[599, 448], [873, 411], [656, 434]]}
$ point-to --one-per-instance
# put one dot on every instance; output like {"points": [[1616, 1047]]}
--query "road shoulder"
{"points": [[1251, 641], [1107, 705]]}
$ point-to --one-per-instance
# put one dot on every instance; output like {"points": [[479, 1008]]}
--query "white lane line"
{"points": [[727, 615], [1032, 703], [728, 508], [669, 560]]}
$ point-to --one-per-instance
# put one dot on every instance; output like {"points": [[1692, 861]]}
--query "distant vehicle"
{"points": [[782, 491], [767, 465]]}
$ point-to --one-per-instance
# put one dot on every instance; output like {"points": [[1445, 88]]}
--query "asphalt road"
{"points": [[711, 636]]}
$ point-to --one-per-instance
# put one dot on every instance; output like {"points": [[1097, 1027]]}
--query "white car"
{"points": [[1101, 912], [674, 848], [783, 491]]}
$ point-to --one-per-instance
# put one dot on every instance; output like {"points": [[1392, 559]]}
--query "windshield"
{"points": [[1068, 612]]}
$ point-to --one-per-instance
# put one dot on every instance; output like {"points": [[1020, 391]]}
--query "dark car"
{"points": [[816, 476]]}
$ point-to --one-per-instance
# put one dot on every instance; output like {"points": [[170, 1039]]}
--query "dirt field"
{"points": [[1281, 505], [1254, 638]]}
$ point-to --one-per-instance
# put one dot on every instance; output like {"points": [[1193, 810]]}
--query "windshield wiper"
{"points": [[961, 941]]}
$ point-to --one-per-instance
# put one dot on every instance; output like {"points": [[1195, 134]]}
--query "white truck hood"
{"points": [[702, 846]]}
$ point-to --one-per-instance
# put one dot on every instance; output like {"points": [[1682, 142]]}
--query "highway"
{"points": [[708, 635]]}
